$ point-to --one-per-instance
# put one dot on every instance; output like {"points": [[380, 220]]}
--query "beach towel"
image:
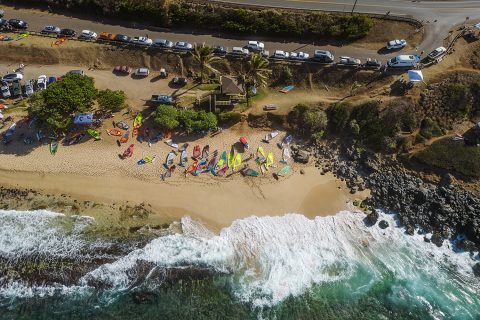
{"points": [[129, 152], [251, 173], [114, 132], [94, 133], [283, 171], [124, 138]]}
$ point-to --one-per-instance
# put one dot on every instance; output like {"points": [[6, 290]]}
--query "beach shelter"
{"points": [[83, 118], [415, 75]]}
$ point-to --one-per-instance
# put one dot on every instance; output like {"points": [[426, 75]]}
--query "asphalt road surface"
{"points": [[446, 14]]}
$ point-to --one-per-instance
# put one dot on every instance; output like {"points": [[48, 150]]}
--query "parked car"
{"points": [[142, 72], [79, 72], [42, 82], [349, 62], [122, 69], [437, 53], [28, 88], [255, 46], [51, 30], [143, 41], [12, 77], [88, 35], [280, 54], [161, 99], [265, 53], [240, 52], [299, 55], [178, 81], [180, 45], [123, 38], [396, 44], [107, 36], [372, 63], [220, 50], [69, 33], [51, 80], [403, 61], [162, 43], [5, 89], [18, 24], [323, 56], [16, 89], [163, 73]]}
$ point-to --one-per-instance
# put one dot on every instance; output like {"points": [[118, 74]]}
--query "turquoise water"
{"points": [[286, 267]]}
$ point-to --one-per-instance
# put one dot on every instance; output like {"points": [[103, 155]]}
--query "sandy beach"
{"points": [[92, 171]]}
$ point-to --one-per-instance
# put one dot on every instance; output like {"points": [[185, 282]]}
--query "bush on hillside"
{"points": [[338, 116], [229, 117], [167, 117], [308, 121], [457, 99]]}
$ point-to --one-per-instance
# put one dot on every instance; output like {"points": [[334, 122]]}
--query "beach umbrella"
{"points": [[415, 75]]}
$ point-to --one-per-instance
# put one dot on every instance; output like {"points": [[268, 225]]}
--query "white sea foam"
{"points": [[42, 232], [269, 258], [273, 258]]}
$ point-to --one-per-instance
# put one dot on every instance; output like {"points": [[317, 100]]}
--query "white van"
{"points": [[403, 61]]}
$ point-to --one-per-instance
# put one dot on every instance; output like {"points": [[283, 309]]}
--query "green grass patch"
{"points": [[16, 107], [452, 155], [207, 86]]}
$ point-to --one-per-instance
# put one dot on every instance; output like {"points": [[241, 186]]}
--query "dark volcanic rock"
{"points": [[383, 224], [371, 218], [476, 269], [301, 156]]}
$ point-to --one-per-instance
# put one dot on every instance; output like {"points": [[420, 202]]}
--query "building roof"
{"points": [[231, 85]]}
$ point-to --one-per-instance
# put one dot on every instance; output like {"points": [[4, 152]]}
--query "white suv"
{"points": [[255, 46], [5, 90], [280, 54]]}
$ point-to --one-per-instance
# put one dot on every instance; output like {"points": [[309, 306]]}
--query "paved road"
{"points": [[447, 13]]}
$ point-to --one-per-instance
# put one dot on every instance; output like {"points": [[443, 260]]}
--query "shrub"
{"points": [[456, 99], [307, 120], [317, 136], [338, 116], [54, 107], [165, 117], [430, 128], [475, 89], [193, 120], [111, 100]]}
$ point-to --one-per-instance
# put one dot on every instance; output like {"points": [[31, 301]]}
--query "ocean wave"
{"points": [[273, 258]]}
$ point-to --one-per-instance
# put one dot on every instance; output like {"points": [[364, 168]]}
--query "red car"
{"points": [[122, 69]]}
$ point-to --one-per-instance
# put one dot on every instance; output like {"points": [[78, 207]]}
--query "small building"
{"points": [[231, 92]]}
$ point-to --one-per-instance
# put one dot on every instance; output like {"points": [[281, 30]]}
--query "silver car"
{"points": [[180, 45], [28, 88], [51, 30]]}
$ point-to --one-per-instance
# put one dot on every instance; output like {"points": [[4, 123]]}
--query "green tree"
{"points": [[54, 107], [205, 57], [457, 99], [257, 73], [166, 117], [197, 120], [111, 100]]}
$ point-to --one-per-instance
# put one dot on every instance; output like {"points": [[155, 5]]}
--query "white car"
{"points": [[280, 54], [180, 45], [142, 72], [299, 55], [143, 41], [88, 34], [28, 88], [51, 30], [5, 89], [239, 51], [13, 77], [396, 44], [42, 82], [255, 46], [437, 53]]}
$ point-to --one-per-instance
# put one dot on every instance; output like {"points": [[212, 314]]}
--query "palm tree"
{"points": [[257, 73], [204, 55]]}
